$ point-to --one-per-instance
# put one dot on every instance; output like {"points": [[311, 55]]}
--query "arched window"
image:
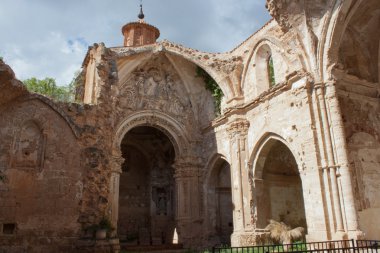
{"points": [[265, 72]]}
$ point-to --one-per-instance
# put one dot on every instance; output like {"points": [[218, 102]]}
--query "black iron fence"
{"points": [[343, 246]]}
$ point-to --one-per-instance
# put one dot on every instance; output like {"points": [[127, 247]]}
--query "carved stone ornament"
{"points": [[276, 10], [239, 127], [156, 86], [168, 128]]}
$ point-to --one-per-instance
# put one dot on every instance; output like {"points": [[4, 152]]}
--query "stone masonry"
{"points": [[145, 149]]}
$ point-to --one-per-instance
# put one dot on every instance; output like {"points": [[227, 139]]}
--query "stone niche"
{"points": [[28, 148], [146, 197]]}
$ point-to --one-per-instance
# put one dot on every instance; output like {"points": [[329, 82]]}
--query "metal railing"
{"points": [[343, 246]]}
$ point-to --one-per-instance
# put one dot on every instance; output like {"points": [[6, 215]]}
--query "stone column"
{"points": [[335, 163], [331, 182], [343, 174], [242, 235], [116, 162], [188, 202]]}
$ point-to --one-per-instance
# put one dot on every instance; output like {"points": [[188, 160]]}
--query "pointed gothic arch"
{"points": [[277, 185]]}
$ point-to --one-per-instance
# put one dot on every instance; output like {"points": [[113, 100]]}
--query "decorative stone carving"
{"points": [[239, 127], [160, 121], [29, 146], [275, 8], [156, 88]]}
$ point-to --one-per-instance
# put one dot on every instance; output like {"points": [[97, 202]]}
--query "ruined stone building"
{"points": [[298, 143]]}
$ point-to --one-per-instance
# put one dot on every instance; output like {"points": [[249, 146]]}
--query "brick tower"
{"points": [[139, 33]]}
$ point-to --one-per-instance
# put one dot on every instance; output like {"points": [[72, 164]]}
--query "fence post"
{"points": [[213, 249], [353, 245]]}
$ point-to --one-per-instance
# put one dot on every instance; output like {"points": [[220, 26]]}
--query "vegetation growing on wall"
{"points": [[213, 87], [271, 77]]}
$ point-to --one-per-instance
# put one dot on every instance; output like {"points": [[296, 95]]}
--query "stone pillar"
{"points": [[188, 202], [116, 162], [243, 234], [335, 163], [336, 201], [341, 158]]}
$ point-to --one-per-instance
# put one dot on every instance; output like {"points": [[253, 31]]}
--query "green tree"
{"points": [[49, 88], [211, 85]]}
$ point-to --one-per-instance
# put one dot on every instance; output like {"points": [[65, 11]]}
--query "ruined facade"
{"points": [[145, 149]]}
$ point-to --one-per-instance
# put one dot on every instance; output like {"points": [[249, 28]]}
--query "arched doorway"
{"points": [[146, 193], [220, 206], [278, 186]]}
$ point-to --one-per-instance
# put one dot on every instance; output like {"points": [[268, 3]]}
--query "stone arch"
{"points": [[161, 121], [338, 30], [147, 187], [48, 102], [256, 72], [222, 80], [51, 105], [269, 137], [177, 50], [167, 83], [277, 185], [218, 206], [166, 124]]}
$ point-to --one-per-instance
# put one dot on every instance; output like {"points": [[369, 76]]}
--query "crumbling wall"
{"points": [[54, 158], [43, 186]]}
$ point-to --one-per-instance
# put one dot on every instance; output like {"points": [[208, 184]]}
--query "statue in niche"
{"points": [[164, 91], [28, 147], [153, 82], [159, 195]]}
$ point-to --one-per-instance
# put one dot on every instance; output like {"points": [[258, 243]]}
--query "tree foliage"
{"points": [[49, 88], [213, 87], [272, 79]]}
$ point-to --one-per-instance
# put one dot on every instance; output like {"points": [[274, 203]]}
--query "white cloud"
{"points": [[50, 38]]}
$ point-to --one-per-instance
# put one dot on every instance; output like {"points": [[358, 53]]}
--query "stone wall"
{"points": [[360, 112], [64, 162], [43, 189]]}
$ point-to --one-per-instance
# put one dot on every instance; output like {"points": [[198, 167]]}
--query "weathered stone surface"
{"points": [[303, 148]]}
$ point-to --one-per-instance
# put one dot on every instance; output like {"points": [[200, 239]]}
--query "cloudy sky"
{"points": [[49, 38]]}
